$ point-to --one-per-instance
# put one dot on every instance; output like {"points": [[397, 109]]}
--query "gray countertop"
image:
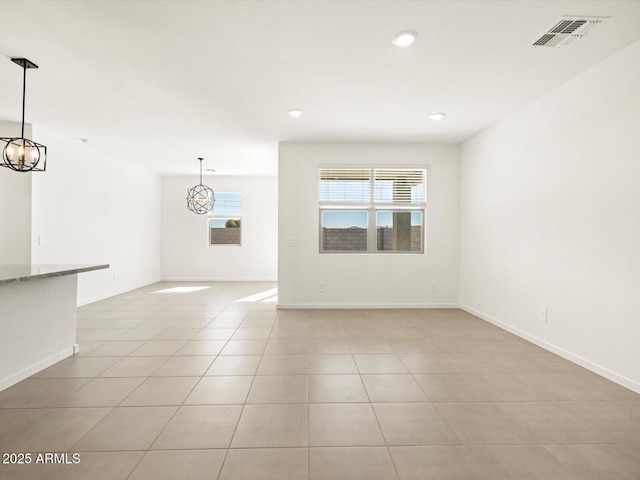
{"points": [[25, 272]]}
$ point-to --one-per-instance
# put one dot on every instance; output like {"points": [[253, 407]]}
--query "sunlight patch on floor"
{"points": [[265, 296], [181, 290]]}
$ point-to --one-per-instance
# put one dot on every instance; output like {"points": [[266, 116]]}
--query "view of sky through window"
{"points": [[344, 219]]}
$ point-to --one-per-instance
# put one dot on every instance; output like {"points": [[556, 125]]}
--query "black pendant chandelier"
{"points": [[21, 154], [200, 199]]}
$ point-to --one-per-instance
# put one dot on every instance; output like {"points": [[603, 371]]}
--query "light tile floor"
{"points": [[214, 383]]}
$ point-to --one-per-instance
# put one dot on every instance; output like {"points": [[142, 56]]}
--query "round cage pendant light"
{"points": [[200, 199], [19, 153]]}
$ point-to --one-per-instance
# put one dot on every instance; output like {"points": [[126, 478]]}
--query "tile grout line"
{"points": [[243, 405], [384, 438], [308, 421], [432, 402]]}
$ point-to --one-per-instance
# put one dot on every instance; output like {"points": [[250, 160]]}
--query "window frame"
{"points": [[212, 216], [372, 208]]}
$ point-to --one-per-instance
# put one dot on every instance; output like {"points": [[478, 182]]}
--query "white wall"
{"points": [[550, 217], [393, 280], [91, 208], [15, 206], [186, 254]]}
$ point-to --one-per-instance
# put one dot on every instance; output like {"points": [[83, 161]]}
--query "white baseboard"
{"points": [[27, 372], [572, 357], [368, 306], [87, 301], [191, 279]]}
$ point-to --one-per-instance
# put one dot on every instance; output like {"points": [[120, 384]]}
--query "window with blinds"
{"points": [[344, 185], [225, 219], [372, 209]]}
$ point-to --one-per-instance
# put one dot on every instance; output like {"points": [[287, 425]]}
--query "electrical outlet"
{"points": [[543, 315], [115, 277], [323, 287], [434, 287], [41, 240]]}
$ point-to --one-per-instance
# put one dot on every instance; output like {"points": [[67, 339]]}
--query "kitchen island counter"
{"points": [[38, 306]]}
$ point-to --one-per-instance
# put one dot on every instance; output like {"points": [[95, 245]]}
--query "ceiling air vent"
{"points": [[566, 30]]}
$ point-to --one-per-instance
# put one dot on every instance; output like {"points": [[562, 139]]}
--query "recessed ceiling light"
{"points": [[295, 113], [436, 117], [404, 38]]}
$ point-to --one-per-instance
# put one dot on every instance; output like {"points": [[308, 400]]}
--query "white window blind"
{"points": [[344, 185], [227, 205], [394, 186], [399, 186]]}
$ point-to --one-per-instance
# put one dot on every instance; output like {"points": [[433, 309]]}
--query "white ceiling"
{"points": [[159, 83]]}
